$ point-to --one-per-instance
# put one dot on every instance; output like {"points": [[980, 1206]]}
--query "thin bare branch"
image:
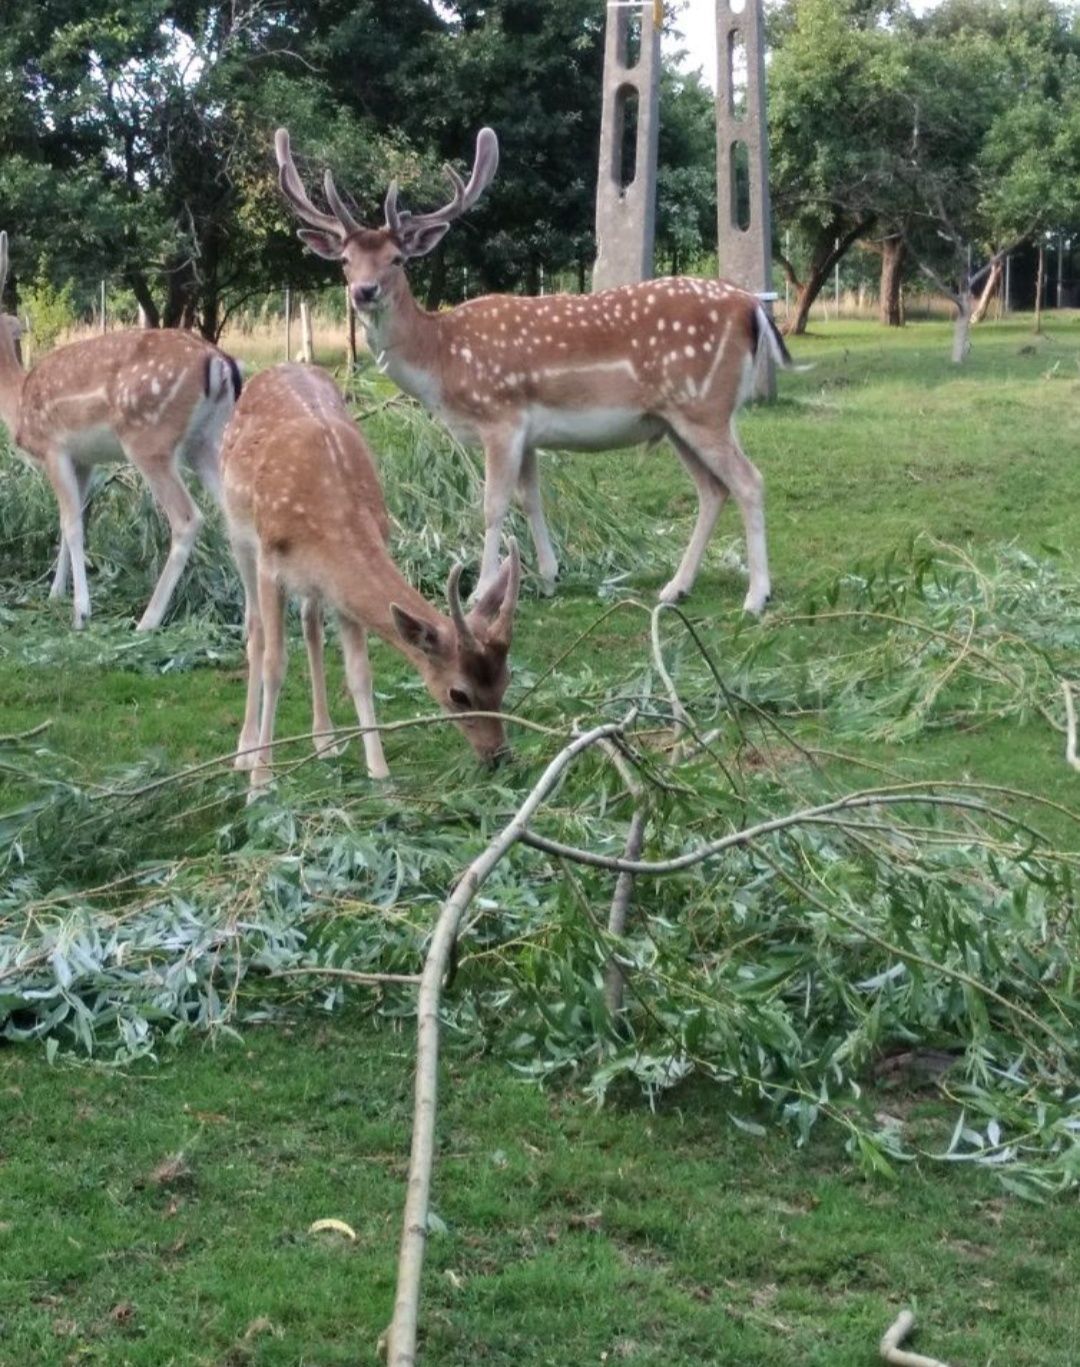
{"points": [[402, 1334], [896, 1356]]}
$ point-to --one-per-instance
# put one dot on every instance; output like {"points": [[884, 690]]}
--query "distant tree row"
{"points": [[940, 142], [136, 139]]}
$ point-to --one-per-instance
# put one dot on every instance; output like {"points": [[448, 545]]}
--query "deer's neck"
{"points": [[12, 380], [403, 338], [369, 588]]}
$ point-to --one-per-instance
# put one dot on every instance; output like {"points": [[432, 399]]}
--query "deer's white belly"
{"points": [[94, 445], [590, 429]]}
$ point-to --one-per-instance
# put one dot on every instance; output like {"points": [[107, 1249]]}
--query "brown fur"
{"points": [[668, 357], [306, 515], [154, 398]]}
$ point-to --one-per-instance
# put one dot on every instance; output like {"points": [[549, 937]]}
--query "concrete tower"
{"points": [[629, 131]]}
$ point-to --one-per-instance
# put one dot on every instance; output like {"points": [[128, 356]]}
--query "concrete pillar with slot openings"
{"points": [[626, 185], [743, 211]]}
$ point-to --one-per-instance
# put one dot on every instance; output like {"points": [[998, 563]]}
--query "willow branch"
{"points": [[1070, 727], [891, 1351], [403, 1329], [614, 978], [747, 835], [349, 975]]}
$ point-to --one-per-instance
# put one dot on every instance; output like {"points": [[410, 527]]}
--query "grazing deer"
{"points": [[670, 357], [305, 513], [154, 398]]}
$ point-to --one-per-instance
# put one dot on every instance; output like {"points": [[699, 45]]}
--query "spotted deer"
{"points": [[155, 398], [305, 514], [669, 357]]}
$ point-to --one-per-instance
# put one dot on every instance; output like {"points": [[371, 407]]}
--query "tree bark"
{"points": [[179, 308], [830, 248], [1040, 276], [140, 287], [993, 281], [962, 328], [893, 260]]}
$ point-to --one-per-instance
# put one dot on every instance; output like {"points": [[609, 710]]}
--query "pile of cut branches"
{"points": [[795, 938]]}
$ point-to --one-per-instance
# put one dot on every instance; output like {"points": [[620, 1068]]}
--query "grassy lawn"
{"points": [[566, 1234]]}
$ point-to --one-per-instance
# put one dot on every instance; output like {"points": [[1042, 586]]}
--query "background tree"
{"points": [[833, 75]]}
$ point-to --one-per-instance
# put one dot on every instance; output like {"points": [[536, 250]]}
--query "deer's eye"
{"points": [[461, 699], [397, 260]]}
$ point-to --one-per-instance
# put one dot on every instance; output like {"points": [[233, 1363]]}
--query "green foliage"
{"points": [[51, 312], [952, 130]]}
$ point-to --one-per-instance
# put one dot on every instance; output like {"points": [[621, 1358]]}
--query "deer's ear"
{"points": [[415, 632], [322, 244], [423, 240]]}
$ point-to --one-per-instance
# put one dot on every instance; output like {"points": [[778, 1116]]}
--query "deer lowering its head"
{"points": [[305, 513], [672, 357], [155, 398]]}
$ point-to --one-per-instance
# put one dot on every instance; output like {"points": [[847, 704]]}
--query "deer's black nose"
{"points": [[365, 294]]}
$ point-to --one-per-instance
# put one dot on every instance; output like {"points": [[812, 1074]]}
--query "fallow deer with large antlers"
{"points": [[670, 357], [305, 513], [155, 398]]}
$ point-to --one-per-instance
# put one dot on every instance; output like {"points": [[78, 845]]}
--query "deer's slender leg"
{"points": [[64, 478], [272, 613], [712, 496], [722, 456], [204, 460], [63, 558], [246, 559], [184, 518], [358, 673], [503, 453], [547, 564], [311, 615]]}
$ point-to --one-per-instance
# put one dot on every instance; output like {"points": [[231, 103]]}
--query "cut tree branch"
{"points": [[896, 1356], [403, 1329]]}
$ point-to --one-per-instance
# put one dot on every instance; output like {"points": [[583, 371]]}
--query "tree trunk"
{"points": [[962, 328], [178, 304], [149, 311], [208, 284], [828, 250], [1040, 276], [993, 280], [893, 259], [581, 270]]}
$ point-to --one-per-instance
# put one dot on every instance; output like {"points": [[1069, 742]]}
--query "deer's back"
{"points": [[141, 379], [295, 468]]}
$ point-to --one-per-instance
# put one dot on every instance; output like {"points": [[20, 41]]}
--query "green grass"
{"points": [[662, 1237], [571, 1233]]}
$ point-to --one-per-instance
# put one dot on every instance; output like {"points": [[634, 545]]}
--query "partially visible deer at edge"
{"points": [[305, 514], [156, 398], [669, 357]]}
